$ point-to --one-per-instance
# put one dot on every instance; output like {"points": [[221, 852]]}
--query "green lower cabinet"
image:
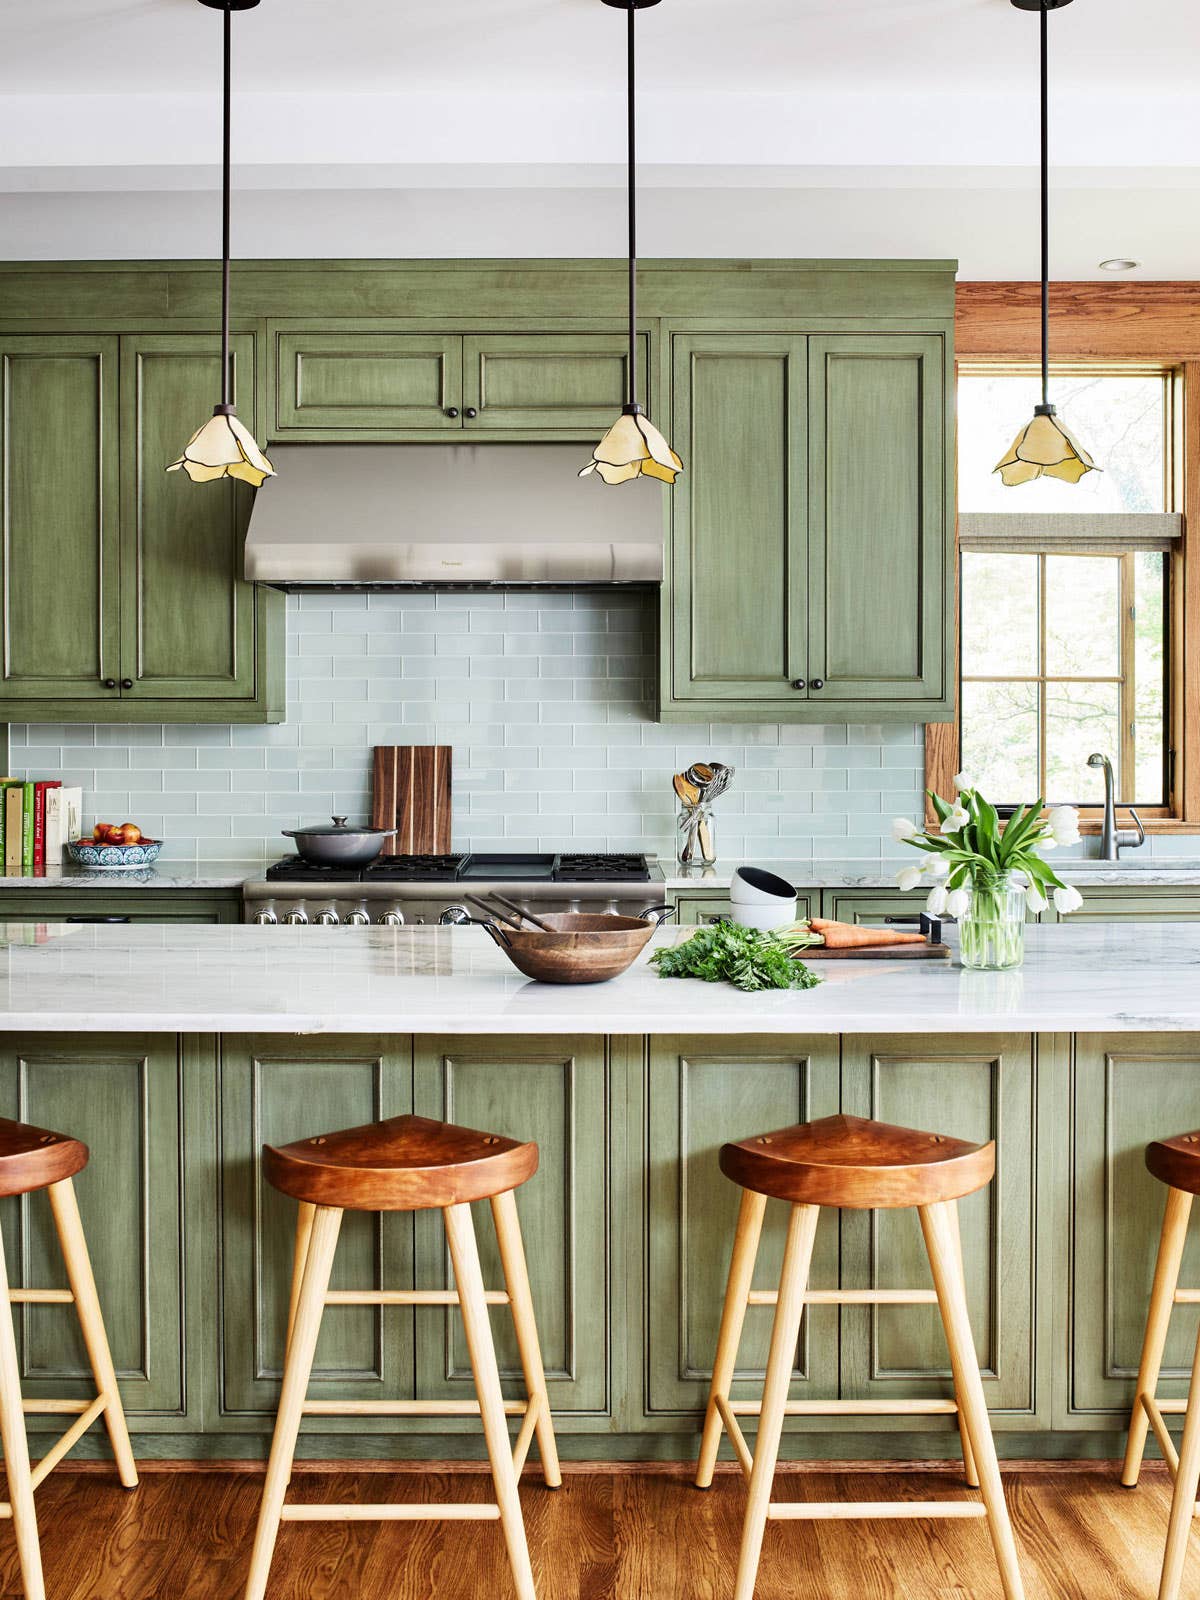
{"points": [[967, 1088], [701, 1094], [873, 906], [97, 905], [699, 908], [121, 1094], [553, 1091], [274, 1090], [1119, 905], [1128, 1090]]}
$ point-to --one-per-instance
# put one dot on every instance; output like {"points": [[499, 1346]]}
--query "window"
{"points": [[1065, 590]]}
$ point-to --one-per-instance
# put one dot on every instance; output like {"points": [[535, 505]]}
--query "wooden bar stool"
{"points": [[1175, 1162], [410, 1164], [31, 1159], [849, 1162]]}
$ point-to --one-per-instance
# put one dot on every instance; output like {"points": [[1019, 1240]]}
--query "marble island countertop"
{"points": [[208, 979]]}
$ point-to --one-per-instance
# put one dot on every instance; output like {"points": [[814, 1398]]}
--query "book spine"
{"points": [[12, 828], [39, 826], [28, 791]]}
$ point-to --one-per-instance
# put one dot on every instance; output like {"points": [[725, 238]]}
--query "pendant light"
{"points": [[223, 447], [633, 447], [1044, 448]]}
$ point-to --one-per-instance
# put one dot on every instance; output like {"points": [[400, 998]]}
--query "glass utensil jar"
{"points": [[697, 836]]}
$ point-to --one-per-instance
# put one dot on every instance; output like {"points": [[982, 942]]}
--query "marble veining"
{"points": [[83, 977]]}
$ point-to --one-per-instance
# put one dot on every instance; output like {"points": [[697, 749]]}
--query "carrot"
{"points": [[846, 936]]}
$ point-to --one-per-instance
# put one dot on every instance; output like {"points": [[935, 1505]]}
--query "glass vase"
{"points": [[992, 929]]}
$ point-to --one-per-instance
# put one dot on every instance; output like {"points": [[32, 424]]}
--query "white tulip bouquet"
{"points": [[969, 862]]}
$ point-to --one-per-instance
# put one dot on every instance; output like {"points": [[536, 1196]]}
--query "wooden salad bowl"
{"points": [[584, 947]]}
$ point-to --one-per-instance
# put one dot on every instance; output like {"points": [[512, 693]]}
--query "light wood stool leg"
{"points": [[305, 1213], [941, 1236], [327, 1221], [793, 1282], [733, 1317], [968, 1455], [80, 1276], [1158, 1318], [1183, 1500], [16, 1451], [516, 1280], [460, 1235]]}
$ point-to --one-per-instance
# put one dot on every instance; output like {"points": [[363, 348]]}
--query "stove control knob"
{"points": [[358, 918], [391, 919], [454, 916], [265, 918], [327, 917], [296, 917], [611, 908]]}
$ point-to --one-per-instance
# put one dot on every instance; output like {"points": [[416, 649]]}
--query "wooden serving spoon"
{"points": [[685, 789]]}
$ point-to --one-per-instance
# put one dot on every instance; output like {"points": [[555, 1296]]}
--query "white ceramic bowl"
{"points": [[761, 899]]}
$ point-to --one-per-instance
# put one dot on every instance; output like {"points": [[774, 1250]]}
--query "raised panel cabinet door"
{"points": [[120, 1094], [275, 1090], [574, 383], [739, 563], [968, 1087], [363, 385], [1119, 905], [59, 504], [880, 594], [1128, 1089], [555, 1092], [703, 1093], [870, 906], [187, 614]]}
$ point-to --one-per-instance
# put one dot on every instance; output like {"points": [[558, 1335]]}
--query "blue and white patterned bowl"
{"points": [[113, 857]]}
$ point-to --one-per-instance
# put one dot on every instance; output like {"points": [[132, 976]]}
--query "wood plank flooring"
{"points": [[619, 1534]]}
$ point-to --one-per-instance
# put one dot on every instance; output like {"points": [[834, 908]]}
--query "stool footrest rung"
{"points": [[391, 1513], [852, 1408], [849, 1511], [88, 1412], [1155, 1410], [406, 1297], [405, 1408], [41, 1297], [1187, 1297], [850, 1297]]}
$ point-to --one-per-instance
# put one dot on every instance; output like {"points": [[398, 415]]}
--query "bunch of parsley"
{"points": [[729, 953]]}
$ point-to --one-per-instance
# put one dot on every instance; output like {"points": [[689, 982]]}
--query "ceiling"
{"points": [[828, 127]]}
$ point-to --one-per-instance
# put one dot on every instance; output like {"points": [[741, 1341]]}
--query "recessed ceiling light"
{"points": [[1119, 264]]}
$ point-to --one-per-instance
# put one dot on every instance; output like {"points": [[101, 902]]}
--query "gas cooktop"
{"points": [[472, 867]]}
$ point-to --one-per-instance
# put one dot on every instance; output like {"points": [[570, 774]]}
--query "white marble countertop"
{"points": [[1132, 872], [126, 978], [175, 872]]}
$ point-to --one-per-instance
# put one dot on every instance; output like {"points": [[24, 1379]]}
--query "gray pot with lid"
{"points": [[334, 844]]}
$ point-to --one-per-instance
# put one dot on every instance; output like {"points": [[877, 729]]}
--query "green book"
{"points": [[27, 792]]}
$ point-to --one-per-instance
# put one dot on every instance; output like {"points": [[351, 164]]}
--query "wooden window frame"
{"points": [[1148, 323]]}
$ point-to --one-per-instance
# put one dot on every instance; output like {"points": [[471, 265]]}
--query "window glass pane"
{"points": [[1081, 718], [1083, 616], [1000, 739], [1119, 420], [1149, 693], [999, 615]]}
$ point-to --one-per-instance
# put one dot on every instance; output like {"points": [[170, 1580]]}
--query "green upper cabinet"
{"points": [[810, 573], [552, 382], [124, 600], [59, 502]]}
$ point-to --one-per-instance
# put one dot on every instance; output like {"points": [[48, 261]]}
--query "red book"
{"points": [[39, 821]]}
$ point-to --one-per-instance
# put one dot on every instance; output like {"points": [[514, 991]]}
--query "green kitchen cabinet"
{"points": [[1132, 904], [693, 908], [274, 1090], [702, 1093], [871, 906], [976, 1088], [810, 571], [121, 1094], [553, 383], [555, 1092], [33, 906], [125, 600]]}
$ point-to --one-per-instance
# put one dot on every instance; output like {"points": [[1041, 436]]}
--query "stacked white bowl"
{"points": [[761, 899]]}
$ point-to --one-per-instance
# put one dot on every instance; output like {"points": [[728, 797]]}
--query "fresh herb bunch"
{"points": [[727, 952]]}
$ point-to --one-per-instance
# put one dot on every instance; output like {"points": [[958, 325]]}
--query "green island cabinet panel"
{"points": [[1128, 1089], [1132, 904], [555, 382], [693, 908], [59, 463], [34, 906], [274, 1090], [555, 1092], [365, 382], [735, 625], [121, 1094], [967, 1088], [878, 560], [701, 1094]]}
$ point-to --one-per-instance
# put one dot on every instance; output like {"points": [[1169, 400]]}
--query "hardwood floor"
{"points": [[622, 1534]]}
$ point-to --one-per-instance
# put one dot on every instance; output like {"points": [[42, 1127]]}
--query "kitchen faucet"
{"points": [[1111, 837]]}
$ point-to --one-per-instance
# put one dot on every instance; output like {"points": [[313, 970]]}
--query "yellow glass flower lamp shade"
{"points": [[223, 448], [633, 448], [1044, 448]]}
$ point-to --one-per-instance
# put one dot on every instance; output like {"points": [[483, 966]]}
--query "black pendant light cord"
{"points": [[226, 404], [1043, 19], [631, 190]]}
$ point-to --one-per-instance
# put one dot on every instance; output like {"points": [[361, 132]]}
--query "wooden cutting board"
{"points": [[412, 794], [880, 952]]}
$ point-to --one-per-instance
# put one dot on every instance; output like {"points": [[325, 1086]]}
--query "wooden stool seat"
{"points": [[1176, 1161], [34, 1158], [403, 1164], [855, 1164]]}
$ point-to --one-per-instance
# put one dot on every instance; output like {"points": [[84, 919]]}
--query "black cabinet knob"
{"points": [[451, 411], [109, 683], [799, 683], [470, 412], [127, 683], [817, 683]]}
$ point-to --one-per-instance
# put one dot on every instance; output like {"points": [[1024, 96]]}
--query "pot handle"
{"points": [[658, 914], [494, 932]]}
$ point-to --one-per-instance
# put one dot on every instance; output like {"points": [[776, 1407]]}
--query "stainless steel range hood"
{"points": [[357, 516]]}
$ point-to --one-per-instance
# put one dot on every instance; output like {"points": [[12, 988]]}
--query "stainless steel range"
{"points": [[396, 890]]}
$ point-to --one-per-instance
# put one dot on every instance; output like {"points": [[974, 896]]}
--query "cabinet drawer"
{"points": [[570, 382], [700, 908], [367, 384]]}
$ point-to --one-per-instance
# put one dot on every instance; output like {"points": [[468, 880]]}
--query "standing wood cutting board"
{"points": [[412, 795]]}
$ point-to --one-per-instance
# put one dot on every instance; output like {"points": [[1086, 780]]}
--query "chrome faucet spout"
{"points": [[1113, 838]]}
